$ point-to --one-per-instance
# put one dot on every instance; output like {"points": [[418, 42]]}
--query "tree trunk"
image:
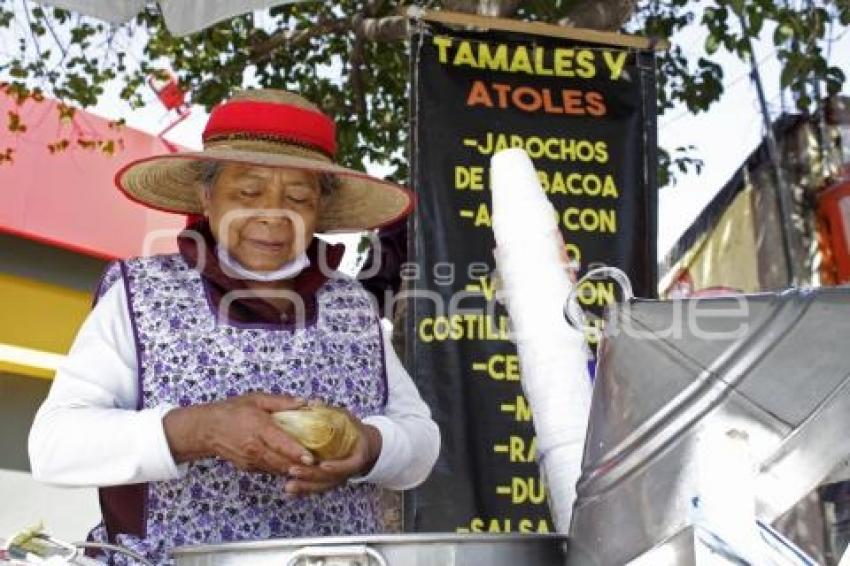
{"points": [[606, 15], [500, 8]]}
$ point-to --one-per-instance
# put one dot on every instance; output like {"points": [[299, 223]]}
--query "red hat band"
{"points": [[270, 120]]}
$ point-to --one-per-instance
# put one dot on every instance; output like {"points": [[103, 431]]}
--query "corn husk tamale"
{"points": [[327, 432]]}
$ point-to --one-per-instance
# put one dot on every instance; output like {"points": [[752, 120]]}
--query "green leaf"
{"points": [[737, 6], [835, 79], [742, 48], [755, 21], [711, 44], [783, 33], [836, 74], [212, 63], [787, 76]]}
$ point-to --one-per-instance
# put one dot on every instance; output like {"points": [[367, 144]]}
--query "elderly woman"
{"points": [[165, 400]]}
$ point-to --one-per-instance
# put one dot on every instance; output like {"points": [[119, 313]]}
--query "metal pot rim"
{"points": [[412, 538]]}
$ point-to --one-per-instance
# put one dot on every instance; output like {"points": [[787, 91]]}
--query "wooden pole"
{"points": [[535, 28]]}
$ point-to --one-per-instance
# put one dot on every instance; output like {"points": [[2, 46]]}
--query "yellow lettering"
{"points": [[441, 329], [520, 409], [564, 62], [511, 367], [518, 451], [521, 61], [488, 287], [494, 364], [610, 188], [466, 326], [426, 330], [469, 178], [524, 525], [578, 184], [497, 61], [596, 293], [586, 66], [497, 527], [501, 143], [590, 220], [443, 44], [464, 56], [529, 490], [540, 63], [482, 217], [500, 367], [615, 64], [602, 152]]}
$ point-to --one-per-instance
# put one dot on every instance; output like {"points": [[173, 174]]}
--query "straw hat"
{"points": [[273, 128]]}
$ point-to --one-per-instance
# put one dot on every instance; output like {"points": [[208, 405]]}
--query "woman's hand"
{"points": [[331, 473], [239, 429]]}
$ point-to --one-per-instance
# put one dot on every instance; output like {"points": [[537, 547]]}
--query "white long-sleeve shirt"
{"points": [[88, 432]]}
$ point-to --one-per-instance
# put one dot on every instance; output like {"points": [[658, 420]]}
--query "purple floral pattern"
{"points": [[187, 356]]}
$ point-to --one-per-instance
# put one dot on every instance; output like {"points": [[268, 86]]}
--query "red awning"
{"points": [[68, 198]]}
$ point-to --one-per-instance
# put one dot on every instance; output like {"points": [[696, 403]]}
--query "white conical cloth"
{"points": [[553, 358]]}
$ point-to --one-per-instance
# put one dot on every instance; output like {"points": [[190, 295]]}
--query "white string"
{"points": [[573, 312]]}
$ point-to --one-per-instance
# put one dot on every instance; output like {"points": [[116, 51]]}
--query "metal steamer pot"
{"points": [[383, 550]]}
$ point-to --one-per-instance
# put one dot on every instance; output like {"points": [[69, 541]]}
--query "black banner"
{"points": [[586, 116]]}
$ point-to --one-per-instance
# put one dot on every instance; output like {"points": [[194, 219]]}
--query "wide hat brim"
{"points": [[170, 183]]}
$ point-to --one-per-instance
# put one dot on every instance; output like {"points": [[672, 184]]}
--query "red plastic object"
{"points": [[169, 92], [834, 209]]}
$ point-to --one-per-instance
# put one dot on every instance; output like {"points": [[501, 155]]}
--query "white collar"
{"points": [[232, 268]]}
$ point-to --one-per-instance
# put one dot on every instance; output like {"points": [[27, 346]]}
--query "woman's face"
{"points": [[263, 216]]}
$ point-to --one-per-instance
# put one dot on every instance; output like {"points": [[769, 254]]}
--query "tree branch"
{"points": [[390, 28], [52, 31], [285, 38], [497, 8], [355, 64], [32, 32], [608, 15], [593, 14]]}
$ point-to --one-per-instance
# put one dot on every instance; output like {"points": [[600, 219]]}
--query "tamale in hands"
{"points": [[329, 433]]}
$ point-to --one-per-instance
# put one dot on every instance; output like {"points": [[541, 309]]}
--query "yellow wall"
{"points": [[37, 318], [724, 257]]}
